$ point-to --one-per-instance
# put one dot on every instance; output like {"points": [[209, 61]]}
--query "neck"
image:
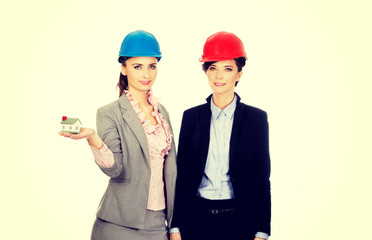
{"points": [[140, 97], [222, 101]]}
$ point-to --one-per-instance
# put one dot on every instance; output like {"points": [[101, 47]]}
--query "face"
{"points": [[141, 73], [222, 76]]}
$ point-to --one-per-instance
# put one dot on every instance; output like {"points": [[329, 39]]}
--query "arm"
{"points": [[178, 214], [102, 155], [108, 159], [263, 176], [107, 130]]}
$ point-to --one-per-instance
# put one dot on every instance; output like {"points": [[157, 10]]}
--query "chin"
{"points": [[145, 87]]}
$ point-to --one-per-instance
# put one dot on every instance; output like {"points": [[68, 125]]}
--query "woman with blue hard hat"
{"points": [[223, 185], [134, 146]]}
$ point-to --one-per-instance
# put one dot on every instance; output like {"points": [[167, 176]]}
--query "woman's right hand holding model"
{"points": [[88, 133]]}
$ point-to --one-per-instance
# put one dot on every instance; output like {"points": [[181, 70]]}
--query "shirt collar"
{"points": [[228, 111]]}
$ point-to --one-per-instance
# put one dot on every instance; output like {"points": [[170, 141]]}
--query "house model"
{"points": [[71, 125]]}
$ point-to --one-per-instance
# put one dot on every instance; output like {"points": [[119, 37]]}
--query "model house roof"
{"points": [[70, 121]]}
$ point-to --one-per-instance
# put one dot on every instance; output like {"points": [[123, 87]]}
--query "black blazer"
{"points": [[249, 164]]}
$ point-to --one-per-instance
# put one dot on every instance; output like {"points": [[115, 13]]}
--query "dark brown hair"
{"points": [[123, 80], [240, 63]]}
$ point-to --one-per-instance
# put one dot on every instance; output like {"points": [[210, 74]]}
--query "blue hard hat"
{"points": [[140, 44]]}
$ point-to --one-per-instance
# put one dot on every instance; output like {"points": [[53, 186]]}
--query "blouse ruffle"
{"points": [[158, 135]]}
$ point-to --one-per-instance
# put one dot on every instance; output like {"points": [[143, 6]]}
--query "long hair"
{"points": [[123, 80]]}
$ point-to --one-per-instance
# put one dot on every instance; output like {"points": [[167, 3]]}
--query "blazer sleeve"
{"points": [[263, 176], [179, 208], [107, 129]]}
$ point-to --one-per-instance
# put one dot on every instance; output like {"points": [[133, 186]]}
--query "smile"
{"points": [[219, 84], [145, 82]]}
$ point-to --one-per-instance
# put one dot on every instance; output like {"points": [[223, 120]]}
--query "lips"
{"points": [[219, 84], [145, 82]]}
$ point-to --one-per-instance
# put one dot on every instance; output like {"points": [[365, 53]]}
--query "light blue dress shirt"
{"points": [[216, 183]]}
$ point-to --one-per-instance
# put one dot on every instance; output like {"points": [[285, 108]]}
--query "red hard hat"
{"points": [[222, 46]]}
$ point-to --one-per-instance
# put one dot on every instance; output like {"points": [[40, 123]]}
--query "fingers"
{"points": [[84, 133], [70, 135]]}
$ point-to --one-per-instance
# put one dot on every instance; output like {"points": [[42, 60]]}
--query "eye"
{"points": [[137, 67], [228, 69], [212, 68], [152, 67]]}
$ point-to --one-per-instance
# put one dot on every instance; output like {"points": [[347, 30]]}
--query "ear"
{"points": [[239, 75], [123, 70]]}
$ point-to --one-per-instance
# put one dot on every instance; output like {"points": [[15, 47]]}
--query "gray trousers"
{"points": [[155, 229]]}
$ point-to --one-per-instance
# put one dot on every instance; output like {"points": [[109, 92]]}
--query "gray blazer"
{"points": [[125, 200]]}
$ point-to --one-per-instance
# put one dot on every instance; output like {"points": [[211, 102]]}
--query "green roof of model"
{"points": [[71, 121]]}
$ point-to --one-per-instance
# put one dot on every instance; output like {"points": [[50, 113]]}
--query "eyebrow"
{"points": [[223, 66], [142, 64]]}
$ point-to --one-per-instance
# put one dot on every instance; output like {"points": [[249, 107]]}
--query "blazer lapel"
{"points": [[130, 117], [205, 126], [238, 116]]}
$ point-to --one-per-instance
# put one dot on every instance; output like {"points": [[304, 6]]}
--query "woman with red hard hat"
{"points": [[134, 146], [223, 161]]}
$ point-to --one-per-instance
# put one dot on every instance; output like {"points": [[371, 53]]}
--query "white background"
{"points": [[309, 67]]}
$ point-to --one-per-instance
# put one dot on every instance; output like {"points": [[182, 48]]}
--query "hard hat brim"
{"points": [[219, 58], [158, 56]]}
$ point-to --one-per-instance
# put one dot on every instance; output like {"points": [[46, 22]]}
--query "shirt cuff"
{"points": [[103, 156], [174, 230], [262, 235]]}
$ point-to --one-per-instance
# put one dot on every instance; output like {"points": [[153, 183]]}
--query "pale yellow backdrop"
{"points": [[309, 67]]}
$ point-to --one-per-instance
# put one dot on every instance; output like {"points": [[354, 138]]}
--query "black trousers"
{"points": [[216, 220]]}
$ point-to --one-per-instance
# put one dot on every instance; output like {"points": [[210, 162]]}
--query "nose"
{"points": [[146, 73], [219, 74]]}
